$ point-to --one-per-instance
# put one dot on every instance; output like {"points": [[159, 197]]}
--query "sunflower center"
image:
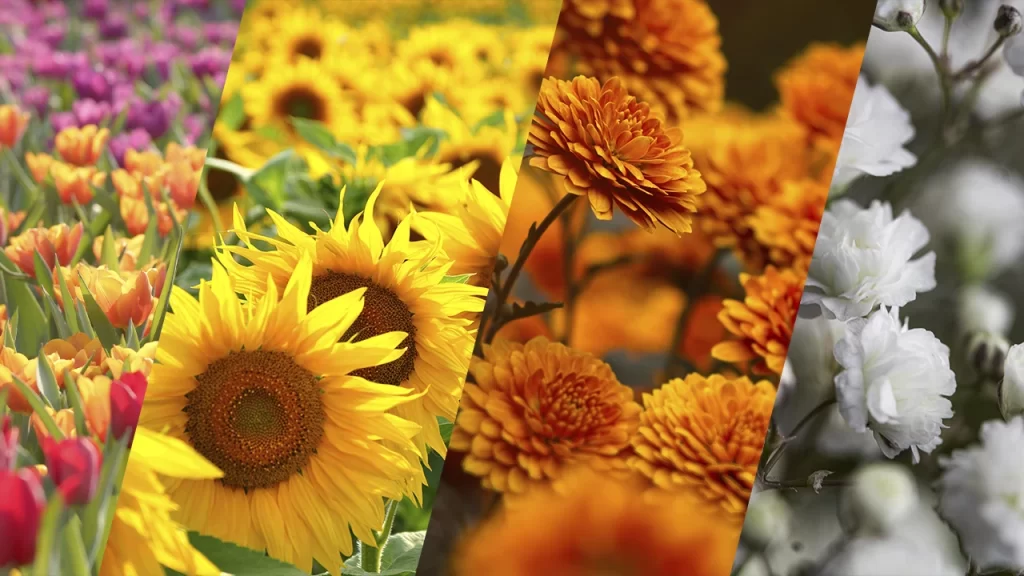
{"points": [[257, 415], [442, 59], [383, 312], [300, 102], [309, 47], [415, 103], [223, 185], [488, 171]]}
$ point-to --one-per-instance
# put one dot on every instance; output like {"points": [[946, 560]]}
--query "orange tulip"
{"points": [[123, 296], [56, 245], [81, 146], [12, 124], [74, 183], [136, 216], [142, 163], [64, 418], [183, 183], [127, 250], [196, 157], [14, 364], [39, 165]]}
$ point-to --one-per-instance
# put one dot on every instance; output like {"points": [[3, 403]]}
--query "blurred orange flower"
{"points": [[63, 418], [763, 321], [14, 364], [12, 124], [75, 183], [195, 157], [787, 226], [127, 251], [136, 215], [142, 163], [39, 165], [55, 245], [704, 434], [535, 408], [817, 87], [611, 149], [81, 146], [599, 525], [124, 296]]}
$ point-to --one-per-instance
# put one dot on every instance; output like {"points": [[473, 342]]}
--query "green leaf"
{"points": [[232, 113], [446, 429], [400, 557], [105, 331], [235, 559], [319, 136], [108, 252], [457, 279], [357, 194], [69, 309], [47, 554], [33, 326], [160, 310], [36, 402], [268, 185], [75, 400], [47, 381]]}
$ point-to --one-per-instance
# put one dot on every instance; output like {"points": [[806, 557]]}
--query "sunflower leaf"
{"points": [[400, 557], [268, 186], [232, 113], [457, 279], [318, 135], [234, 559]]}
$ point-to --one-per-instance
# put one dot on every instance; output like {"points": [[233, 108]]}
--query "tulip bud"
{"points": [[126, 394], [898, 15], [74, 466], [21, 512], [881, 495], [1011, 388], [1008, 21], [8, 445]]}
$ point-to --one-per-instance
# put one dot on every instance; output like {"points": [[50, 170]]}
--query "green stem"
{"points": [[370, 557], [696, 288], [19, 173], [780, 449], [973, 67], [77, 560]]}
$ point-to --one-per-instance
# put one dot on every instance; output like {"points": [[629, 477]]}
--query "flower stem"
{"points": [[696, 287], [370, 557], [941, 70], [776, 454], [74, 549], [973, 67], [505, 289]]}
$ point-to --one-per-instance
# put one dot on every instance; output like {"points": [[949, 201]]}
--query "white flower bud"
{"points": [[767, 520], [986, 353], [1011, 389], [951, 8], [1008, 21], [881, 496], [898, 15], [983, 309]]}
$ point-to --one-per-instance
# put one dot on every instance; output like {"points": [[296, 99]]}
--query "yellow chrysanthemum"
{"points": [[144, 537], [405, 291], [487, 147], [787, 225], [596, 525], [704, 434], [536, 409], [471, 233], [763, 320], [301, 90], [270, 394]]}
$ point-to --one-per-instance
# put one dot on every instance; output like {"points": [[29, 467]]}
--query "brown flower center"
{"points": [[488, 171], [415, 103], [383, 312], [257, 415], [310, 47], [301, 102], [223, 185]]}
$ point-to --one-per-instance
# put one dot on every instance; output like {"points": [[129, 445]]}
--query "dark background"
{"points": [[759, 35]]}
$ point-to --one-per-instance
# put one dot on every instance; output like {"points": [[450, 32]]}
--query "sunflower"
{"points": [[817, 87], [597, 525], [745, 160], [625, 159], [144, 536], [265, 391], [307, 33], [301, 90], [666, 52], [471, 234], [405, 291], [787, 225], [704, 434], [441, 47], [536, 409], [763, 320], [486, 147]]}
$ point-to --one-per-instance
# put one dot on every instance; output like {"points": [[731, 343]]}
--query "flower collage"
{"points": [[511, 287]]}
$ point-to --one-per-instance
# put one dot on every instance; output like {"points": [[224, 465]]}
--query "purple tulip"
{"points": [[153, 117], [59, 65], [53, 34], [114, 26], [37, 99], [210, 61], [220, 32], [95, 9], [135, 140], [162, 56], [62, 120], [194, 126], [93, 84], [88, 111], [185, 36]]}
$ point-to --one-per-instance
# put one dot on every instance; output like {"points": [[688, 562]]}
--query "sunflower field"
{"points": [[330, 285], [643, 302]]}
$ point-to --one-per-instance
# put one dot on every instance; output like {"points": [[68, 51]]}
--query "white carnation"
{"points": [[865, 258], [877, 130], [982, 496], [894, 382]]}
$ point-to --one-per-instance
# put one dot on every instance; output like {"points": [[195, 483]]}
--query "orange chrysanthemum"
{"points": [[745, 160], [55, 245], [12, 124], [788, 225], [763, 320], [599, 525], [535, 409], [611, 149], [817, 87], [667, 52], [81, 146], [704, 434]]}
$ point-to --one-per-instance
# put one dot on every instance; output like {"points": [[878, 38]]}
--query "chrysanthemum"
{"points": [[611, 149], [302, 90], [763, 321], [487, 146], [405, 291], [598, 525], [264, 390], [471, 233], [144, 536], [537, 408], [667, 52], [744, 160], [705, 434], [817, 87], [787, 225]]}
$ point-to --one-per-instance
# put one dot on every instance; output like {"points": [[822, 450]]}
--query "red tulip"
{"points": [[126, 394], [21, 510], [8, 445], [74, 466]]}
